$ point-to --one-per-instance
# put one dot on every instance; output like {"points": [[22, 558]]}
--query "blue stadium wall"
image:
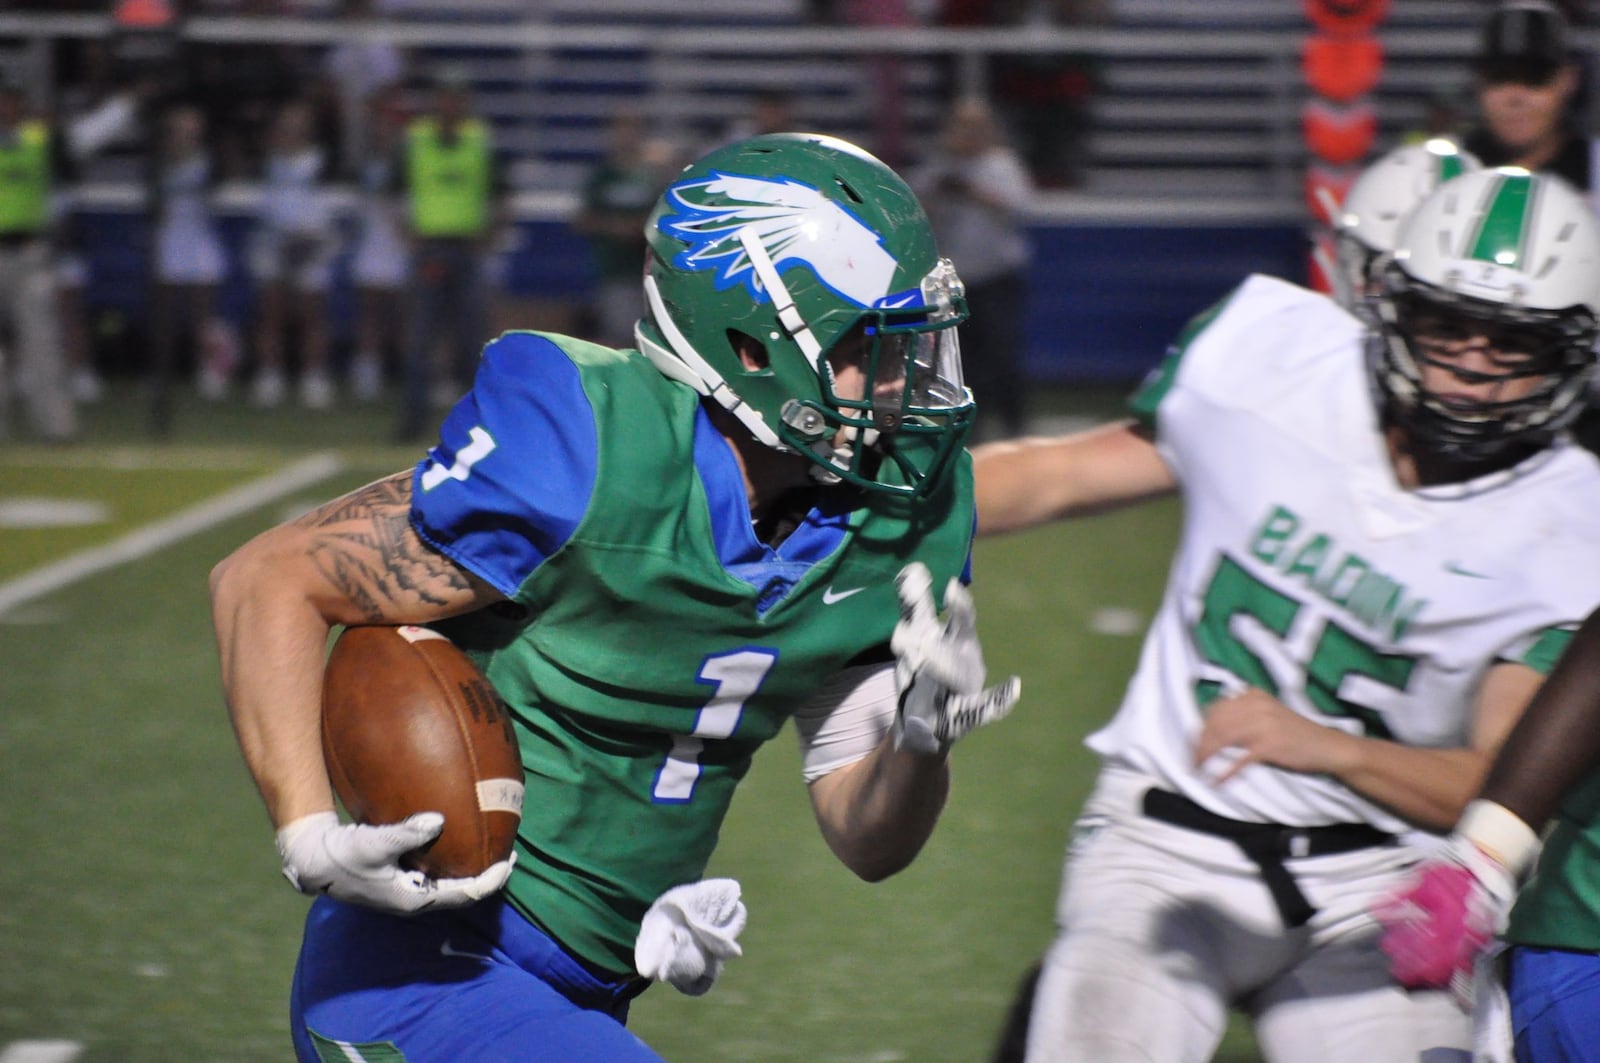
{"points": [[1104, 299]]}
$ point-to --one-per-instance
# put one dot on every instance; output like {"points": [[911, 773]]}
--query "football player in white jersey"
{"points": [[1366, 223], [1387, 539]]}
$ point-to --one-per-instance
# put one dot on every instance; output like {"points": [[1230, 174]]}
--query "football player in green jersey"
{"points": [[658, 557], [1387, 538], [1440, 929]]}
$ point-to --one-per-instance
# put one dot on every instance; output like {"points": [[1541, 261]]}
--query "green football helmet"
{"points": [[773, 259]]}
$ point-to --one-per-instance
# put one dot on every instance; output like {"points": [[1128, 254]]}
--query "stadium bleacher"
{"points": [[1195, 140], [1194, 98]]}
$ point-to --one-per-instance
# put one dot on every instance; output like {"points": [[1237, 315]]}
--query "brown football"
{"points": [[410, 725]]}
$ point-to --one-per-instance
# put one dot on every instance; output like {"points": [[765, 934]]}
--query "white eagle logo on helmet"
{"points": [[794, 222]]}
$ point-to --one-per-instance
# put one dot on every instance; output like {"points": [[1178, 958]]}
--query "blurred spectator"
{"points": [[291, 260], [974, 188], [455, 199], [32, 164], [1527, 80], [616, 200], [188, 264], [360, 69], [110, 102], [884, 72], [99, 117], [104, 105], [244, 86], [1529, 114], [72, 276], [1044, 96], [379, 266]]}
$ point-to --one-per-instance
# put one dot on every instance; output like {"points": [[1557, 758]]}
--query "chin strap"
{"points": [[841, 456], [681, 362], [788, 314], [684, 364]]}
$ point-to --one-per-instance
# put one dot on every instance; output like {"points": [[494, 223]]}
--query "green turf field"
{"points": [[143, 917]]}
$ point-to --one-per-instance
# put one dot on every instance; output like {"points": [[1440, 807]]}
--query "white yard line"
{"points": [[163, 533], [134, 458], [41, 1052]]}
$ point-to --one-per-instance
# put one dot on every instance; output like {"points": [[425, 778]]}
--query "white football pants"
{"points": [[1163, 930], [31, 321]]}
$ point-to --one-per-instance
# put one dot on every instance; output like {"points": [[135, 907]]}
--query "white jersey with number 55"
{"points": [[1305, 570]]}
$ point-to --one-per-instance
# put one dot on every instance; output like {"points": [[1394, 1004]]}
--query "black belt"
{"points": [[1269, 845], [12, 241]]}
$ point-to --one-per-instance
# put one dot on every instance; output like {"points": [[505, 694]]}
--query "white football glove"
{"points": [[689, 932], [361, 864], [939, 669]]}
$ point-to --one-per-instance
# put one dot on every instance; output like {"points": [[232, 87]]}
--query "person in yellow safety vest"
{"points": [[32, 358], [454, 210]]}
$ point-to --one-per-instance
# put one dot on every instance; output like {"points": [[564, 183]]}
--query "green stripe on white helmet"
{"points": [[1368, 222], [1505, 222], [1505, 235]]}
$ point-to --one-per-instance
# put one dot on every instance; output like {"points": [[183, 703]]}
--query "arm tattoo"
{"points": [[364, 545]]}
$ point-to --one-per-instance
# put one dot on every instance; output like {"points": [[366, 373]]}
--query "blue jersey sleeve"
{"points": [[515, 467]]}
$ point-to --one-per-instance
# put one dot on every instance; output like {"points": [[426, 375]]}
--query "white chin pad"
{"points": [[843, 455]]}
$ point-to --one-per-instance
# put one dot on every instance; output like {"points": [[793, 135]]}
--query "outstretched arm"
{"points": [[1026, 482]]}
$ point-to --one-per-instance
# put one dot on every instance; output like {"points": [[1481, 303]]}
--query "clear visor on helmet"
{"points": [[894, 410], [901, 365]]}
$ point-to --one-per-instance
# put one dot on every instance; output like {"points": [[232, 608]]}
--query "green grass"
{"points": [[143, 912]]}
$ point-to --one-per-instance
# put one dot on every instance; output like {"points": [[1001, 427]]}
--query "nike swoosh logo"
{"points": [[1456, 570], [446, 949], [833, 597]]}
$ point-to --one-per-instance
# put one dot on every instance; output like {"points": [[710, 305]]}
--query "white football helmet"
{"points": [[1366, 223], [1504, 254]]}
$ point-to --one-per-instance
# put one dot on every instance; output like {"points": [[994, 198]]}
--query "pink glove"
{"points": [[1434, 929]]}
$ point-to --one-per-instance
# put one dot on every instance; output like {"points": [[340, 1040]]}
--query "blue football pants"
{"points": [[480, 983], [1555, 1005]]}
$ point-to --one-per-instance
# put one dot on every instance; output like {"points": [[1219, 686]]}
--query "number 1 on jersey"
{"points": [[735, 678], [480, 446]]}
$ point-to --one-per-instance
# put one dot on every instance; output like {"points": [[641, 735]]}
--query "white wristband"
{"points": [[1500, 833]]}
